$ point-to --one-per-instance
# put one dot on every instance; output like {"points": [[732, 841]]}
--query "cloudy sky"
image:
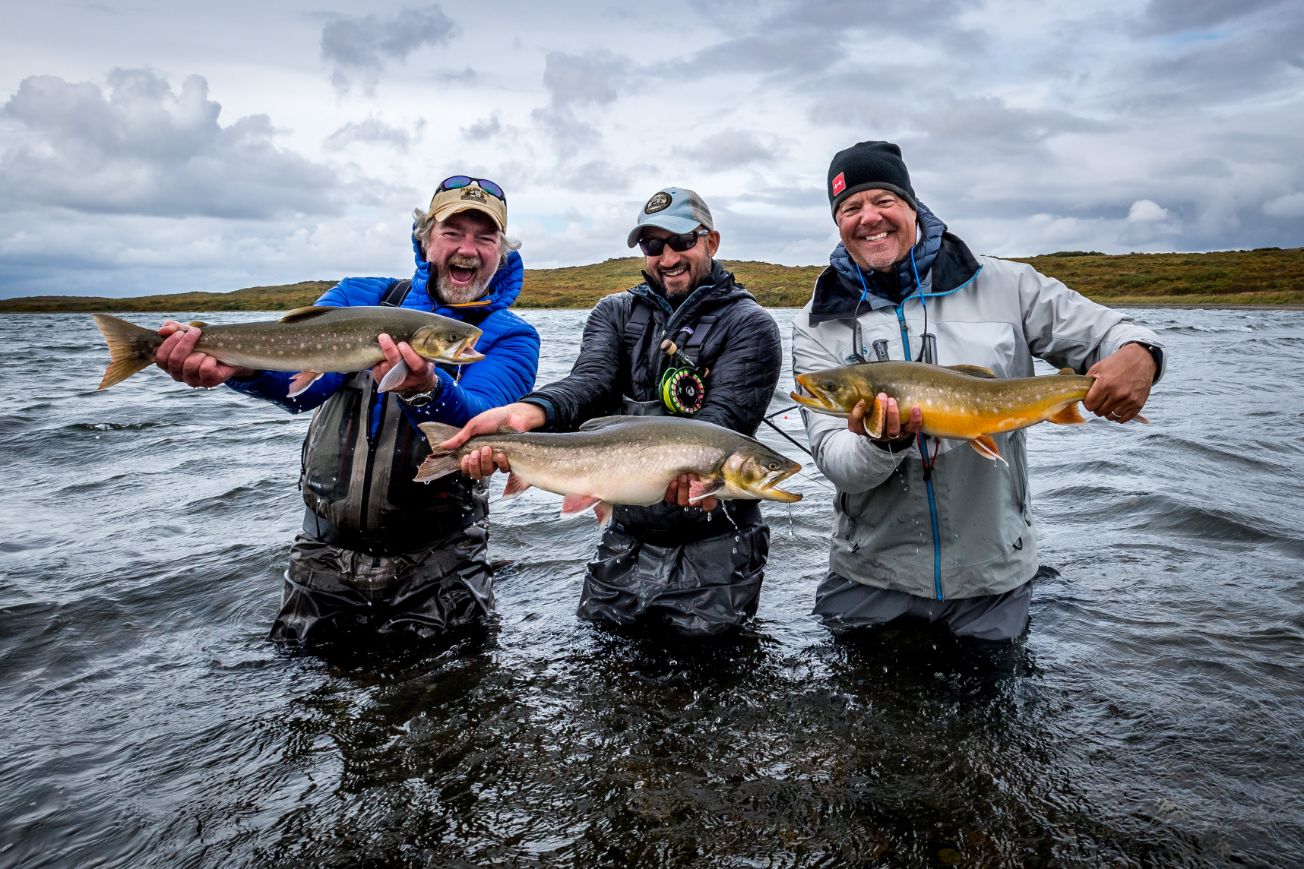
{"points": [[166, 147]]}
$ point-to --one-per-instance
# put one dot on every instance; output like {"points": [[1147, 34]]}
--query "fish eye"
{"points": [[773, 466]]}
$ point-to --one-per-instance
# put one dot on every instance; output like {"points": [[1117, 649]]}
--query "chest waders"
{"points": [[357, 465]]}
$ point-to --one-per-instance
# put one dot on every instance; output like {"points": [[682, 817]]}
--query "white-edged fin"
{"points": [[577, 503], [876, 419], [602, 510], [515, 486], [300, 382], [699, 490], [396, 375], [986, 447]]}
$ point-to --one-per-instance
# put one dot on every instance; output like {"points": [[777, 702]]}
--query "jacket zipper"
{"points": [[928, 477]]}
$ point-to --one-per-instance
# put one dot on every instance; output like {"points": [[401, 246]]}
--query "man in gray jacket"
{"points": [[929, 528]]}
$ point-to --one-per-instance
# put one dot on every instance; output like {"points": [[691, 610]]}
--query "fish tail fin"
{"points": [[131, 348], [436, 466], [986, 447], [1068, 415], [440, 463]]}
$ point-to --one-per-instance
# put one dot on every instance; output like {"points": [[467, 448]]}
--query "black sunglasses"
{"points": [[678, 243], [457, 182]]}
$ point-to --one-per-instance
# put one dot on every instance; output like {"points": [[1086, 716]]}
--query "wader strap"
{"points": [[397, 292], [692, 348], [639, 316]]}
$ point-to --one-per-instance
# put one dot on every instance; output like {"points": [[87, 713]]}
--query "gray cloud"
{"points": [[371, 131], [359, 48], [142, 148], [729, 149], [1177, 16]]}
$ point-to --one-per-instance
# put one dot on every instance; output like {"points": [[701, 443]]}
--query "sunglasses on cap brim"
{"points": [[457, 182], [678, 243]]}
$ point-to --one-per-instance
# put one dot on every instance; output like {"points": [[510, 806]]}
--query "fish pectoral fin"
{"points": [[974, 371], [515, 486], [394, 376], [307, 313], [1141, 419], [1068, 415], [301, 381], [875, 421], [986, 447], [577, 503], [699, 490]]}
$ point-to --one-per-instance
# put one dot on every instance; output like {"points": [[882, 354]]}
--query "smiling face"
{"points": [[877, 227], [681, 272], [465, 250]]}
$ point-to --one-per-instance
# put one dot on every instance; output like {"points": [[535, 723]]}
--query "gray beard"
{"points": [[451, 295]]}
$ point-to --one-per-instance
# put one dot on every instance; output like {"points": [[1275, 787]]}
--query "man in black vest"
{"points": [[667, 564]]}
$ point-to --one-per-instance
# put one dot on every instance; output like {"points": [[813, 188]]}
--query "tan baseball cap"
{"points": [[468, 196]]}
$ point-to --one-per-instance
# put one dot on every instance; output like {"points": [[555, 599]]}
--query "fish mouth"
{"points": [[817, 398], [466, 353], [769, 486]]}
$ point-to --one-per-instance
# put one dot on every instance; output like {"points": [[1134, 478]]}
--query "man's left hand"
{"points": [[1123, 381], [421, 374], [677, 493]]}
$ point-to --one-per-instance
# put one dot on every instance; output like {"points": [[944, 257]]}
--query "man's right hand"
{"points": [[178, 357], [480, 463]]}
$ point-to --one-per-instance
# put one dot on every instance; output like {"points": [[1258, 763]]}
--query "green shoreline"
{"points": [[1260, 278]]}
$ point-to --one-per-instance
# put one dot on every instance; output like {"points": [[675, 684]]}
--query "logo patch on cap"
{"points": [[658, 202], [839, 183], [473, 193]]}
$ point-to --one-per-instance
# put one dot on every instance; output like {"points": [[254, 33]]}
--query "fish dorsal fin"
{"points": [[306, 313], [603, 422], [199, 324], [974, 371], [1067, 372]]}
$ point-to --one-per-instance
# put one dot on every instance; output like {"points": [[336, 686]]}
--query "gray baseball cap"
{"points": [[674, 209]]}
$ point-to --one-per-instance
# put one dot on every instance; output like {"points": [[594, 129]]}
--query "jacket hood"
{"points": [[503, 288], [941, 261]]}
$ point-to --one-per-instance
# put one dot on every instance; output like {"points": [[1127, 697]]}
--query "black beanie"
{"points": [[866, 166]]}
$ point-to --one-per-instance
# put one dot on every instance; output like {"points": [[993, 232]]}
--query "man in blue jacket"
{"points": [[378, 551]]}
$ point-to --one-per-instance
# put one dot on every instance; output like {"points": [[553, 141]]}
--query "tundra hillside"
{"points": [[1264, 277]]}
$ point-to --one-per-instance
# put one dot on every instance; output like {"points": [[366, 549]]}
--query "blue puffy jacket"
{"points": [[510, 346]]}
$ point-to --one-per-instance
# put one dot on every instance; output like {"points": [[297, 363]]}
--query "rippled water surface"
{"points": [[1152, 715]]}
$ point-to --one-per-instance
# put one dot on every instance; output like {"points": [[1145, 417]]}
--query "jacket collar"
{"points": [[503, 289], [942, 261]]}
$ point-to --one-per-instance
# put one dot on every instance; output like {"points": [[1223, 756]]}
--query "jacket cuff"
{"points": [[549, 409]]}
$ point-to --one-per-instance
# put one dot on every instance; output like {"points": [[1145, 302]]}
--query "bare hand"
{"points": [[481, 463], [421, 374], [677, 493], [1123, 381], [893, 428], [178, 357]]}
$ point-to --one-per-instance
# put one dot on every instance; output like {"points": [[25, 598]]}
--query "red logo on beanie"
{"points": [[839, 183]]}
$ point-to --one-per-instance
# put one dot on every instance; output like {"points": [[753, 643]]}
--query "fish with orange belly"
{"points": [[959, 402]]}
